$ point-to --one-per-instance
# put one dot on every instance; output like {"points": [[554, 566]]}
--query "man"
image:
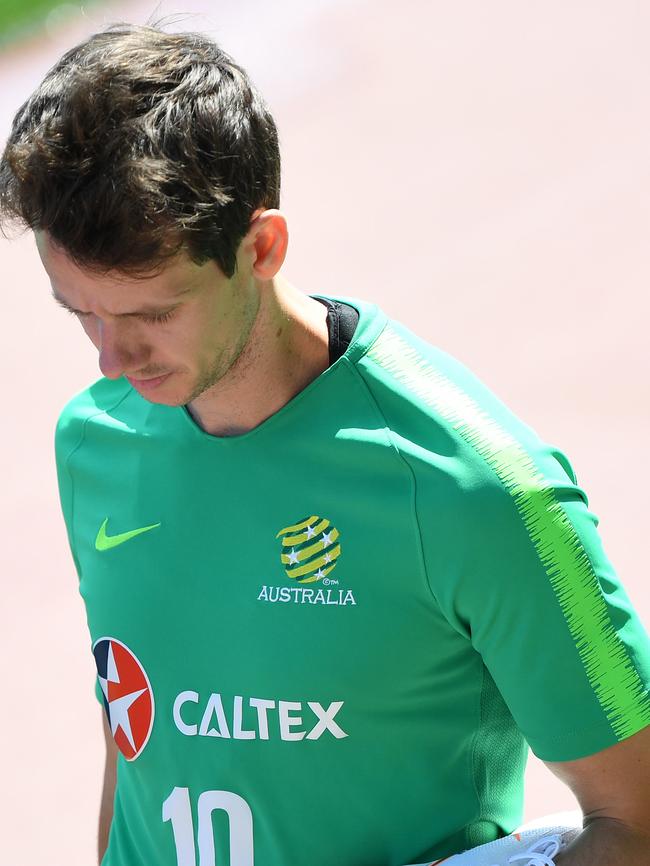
{"points": [[334, 587]]}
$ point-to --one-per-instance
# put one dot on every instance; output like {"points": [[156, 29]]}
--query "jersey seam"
{"points": [[567, 737], [411, 474], [423, 565]]}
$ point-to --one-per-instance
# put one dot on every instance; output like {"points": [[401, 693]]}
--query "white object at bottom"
{"points": [[533, 844]]}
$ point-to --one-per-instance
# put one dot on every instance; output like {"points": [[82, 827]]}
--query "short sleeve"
{"points": [[67, 437], [512, 553], [66, 440], [530, 583]]}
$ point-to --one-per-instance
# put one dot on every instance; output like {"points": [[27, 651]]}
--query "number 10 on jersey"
{"points": [[178, 809]]}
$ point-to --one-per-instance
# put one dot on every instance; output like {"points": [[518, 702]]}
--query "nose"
{"points": [[117, 354]]}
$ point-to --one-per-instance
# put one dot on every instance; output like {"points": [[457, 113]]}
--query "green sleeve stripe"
{"points": [[610, 672]]}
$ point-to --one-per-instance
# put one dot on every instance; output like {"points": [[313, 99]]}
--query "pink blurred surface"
{"points": [[480, 171]]}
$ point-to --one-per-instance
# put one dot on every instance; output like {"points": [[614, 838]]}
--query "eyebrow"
{"points": [[144, 311]]}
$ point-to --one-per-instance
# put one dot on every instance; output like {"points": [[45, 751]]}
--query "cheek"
{"points": [[195, 339]]}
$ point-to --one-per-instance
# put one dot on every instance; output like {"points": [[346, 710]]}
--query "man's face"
{"points": [[173, 335]]}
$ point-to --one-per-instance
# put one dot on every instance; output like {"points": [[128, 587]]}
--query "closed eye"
{"points": [[158, 318], [150, 319]]}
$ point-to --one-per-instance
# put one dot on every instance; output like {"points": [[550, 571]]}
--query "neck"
{"points": [[288, 348]]}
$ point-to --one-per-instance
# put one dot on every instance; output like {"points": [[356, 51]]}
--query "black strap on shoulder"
{"points": [[342, 320]]}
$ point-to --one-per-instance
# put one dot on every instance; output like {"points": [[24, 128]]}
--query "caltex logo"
{"points": [[310, 549], [128, 698]]}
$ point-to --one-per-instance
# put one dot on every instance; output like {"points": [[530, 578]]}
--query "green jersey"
{"points": [[331, 639]]}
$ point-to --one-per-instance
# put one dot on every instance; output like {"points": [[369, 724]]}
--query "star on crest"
{"points": [[118, 711]]}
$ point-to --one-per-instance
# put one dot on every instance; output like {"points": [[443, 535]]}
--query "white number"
{"points": [[178, 810]]}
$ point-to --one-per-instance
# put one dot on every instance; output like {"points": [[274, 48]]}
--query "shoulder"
{"points": [[460, 438], [400, 364], [94, 402], [431, 400]]}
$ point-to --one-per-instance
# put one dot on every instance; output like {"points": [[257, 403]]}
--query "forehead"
{"points": [[72, 283]]}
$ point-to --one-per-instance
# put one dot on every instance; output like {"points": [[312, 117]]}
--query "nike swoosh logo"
{"points": [[106, 542]]}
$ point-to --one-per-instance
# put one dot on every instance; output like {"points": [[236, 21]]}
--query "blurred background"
{"points": [[478, 169]]}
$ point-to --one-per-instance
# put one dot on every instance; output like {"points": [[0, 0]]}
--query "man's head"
{"points": [[139, 143], [148, 167]]}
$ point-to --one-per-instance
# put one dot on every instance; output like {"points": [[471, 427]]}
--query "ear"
{"points": [[267, 240]]}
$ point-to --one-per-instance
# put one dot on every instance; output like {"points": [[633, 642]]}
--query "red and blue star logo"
{"points": [[128, 697]]}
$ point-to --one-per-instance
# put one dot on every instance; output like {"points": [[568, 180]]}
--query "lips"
{"points": [[147, 384]]}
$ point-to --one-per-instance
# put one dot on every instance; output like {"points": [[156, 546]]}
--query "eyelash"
{"points": [[159, 318]]}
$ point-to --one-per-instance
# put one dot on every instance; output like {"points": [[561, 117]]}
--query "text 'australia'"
{"points": [[306, 595]]}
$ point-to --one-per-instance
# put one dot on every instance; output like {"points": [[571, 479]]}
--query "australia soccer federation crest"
{"points": [[128, 697], [310, 549]]}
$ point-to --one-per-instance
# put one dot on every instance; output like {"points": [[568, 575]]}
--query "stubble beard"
{"points": [[209, 379], [218, 369]]}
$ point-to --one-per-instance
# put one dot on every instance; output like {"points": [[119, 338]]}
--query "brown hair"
{"points": [[138, 143]]}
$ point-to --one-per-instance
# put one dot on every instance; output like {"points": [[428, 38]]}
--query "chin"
{"points": [[172, 402], [161, 400], [174, 398]]}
